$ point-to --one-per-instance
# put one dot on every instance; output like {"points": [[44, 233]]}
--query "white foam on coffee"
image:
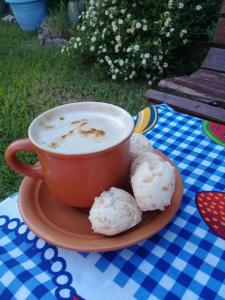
{"points": [[72, 132]]}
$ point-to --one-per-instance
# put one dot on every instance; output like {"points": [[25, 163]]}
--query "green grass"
{"points": [[34, 79]]}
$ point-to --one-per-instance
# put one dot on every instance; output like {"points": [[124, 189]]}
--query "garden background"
{"points": [[144, 41]]}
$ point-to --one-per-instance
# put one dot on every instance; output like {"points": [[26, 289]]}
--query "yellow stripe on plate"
{"points": [[154, 121], [146, 116]]}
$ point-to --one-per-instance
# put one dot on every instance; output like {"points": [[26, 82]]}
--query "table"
{"points": [[185, 260]]}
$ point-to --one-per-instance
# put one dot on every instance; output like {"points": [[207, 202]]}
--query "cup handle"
{"points": [[19, 166]]}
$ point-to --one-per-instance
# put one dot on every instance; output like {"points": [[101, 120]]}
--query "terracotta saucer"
{"points": [[70, 228]]}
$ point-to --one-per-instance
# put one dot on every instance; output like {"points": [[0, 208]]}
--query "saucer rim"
{"points": [[159, 221]]}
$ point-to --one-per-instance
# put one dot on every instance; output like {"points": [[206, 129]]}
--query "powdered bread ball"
{"points": [[153, 188], [139, 144], [152, 159], [114, 211]]}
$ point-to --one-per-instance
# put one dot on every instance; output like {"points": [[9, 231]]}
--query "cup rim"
{"points": [[94, 153]]}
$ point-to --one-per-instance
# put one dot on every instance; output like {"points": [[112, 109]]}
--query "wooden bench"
{"points": [[202, 93]]}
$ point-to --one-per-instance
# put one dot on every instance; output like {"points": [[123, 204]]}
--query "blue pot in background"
{"points": [[29, 14]]}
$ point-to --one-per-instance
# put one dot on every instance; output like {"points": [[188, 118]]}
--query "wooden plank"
{"points": [[210, 76], [195, 86], [188, 106], [215, 60], [170, 84], [222, 10], [219, 35]]}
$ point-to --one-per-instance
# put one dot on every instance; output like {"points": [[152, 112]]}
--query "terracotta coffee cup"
{"points": [[82, 147]]}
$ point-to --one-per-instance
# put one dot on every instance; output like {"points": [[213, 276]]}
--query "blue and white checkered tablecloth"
{"points": [[185, 260]]}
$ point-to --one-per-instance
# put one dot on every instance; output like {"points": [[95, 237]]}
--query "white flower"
{"points": [[168, 34], [118, 38], [117, 48], [149, 82], [115, 28], [138, 25], [198, 7], [75, 46], [165, 65], [170, 4], [120, 21], [92, 48], [83, 28], [136, 47], [147, 55], [155, 58], [78, 39], [106, 12], [183, 32], [121, 62], [181, 5], [172, 29], [145, 28], [128, 50], [93, 39], [114, 77], [130, 30], [143, 62], [128, 16], [167, 23]]}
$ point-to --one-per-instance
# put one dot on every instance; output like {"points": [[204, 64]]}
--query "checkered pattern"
{"points": [[185, 260], [29, 267]]}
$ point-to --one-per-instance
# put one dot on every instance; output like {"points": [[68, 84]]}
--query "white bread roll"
{"points": [[139, 144], [114, 211], [152, 159], [153, 188]]}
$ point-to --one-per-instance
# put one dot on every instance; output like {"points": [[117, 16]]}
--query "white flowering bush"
{"points": [[131, 39]]}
